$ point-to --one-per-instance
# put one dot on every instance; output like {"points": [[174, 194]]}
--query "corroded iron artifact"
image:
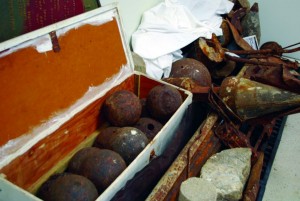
{"points": [[251, 99]]}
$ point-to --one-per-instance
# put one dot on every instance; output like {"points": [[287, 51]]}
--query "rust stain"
{"points": [[201, 146]]}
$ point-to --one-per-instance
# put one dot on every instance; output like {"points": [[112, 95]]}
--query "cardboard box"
{"points": [[54, 81]]}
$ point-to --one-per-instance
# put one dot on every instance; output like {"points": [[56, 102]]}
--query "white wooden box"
{"points": [[51, 95]]}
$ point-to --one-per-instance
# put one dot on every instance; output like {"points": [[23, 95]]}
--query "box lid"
{"points": [[49, 75]]}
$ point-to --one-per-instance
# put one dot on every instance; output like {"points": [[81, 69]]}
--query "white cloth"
{"points": [[173, 24]]}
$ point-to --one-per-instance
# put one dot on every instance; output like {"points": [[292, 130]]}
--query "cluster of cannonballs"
{"points": [[134, 123]]}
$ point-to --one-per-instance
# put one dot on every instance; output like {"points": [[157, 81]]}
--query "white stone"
{"points": [[196, 189], [228, 171]]}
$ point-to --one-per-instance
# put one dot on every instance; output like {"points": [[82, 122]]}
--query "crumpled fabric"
{"points": [[172, 25]]}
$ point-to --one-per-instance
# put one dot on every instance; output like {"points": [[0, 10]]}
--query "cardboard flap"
{"points": [[38, 83]]}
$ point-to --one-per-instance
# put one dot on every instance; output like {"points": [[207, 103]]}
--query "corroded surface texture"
{"points": [[163, 101], [122, 108], [193, 69], [189, 162], [251, 99]]}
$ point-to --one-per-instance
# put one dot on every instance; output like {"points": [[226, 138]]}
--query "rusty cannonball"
{"points": [[67, 187], [149, 127], [272, 45], [104, 138], [122, 108], [129, 142], [163, 101], [192, 68], [103, 168], [75, 162]]}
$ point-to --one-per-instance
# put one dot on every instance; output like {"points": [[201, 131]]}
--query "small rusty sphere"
{"points": [[106, 135], [78, 158], [103, 168], [272, 45], [67, 187], [129, 142], [163, 101], [149, 127], [122, 108], [193, 69]]}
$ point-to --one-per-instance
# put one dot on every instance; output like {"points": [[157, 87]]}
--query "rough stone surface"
{"points": [[196, 189], [228, 171]]}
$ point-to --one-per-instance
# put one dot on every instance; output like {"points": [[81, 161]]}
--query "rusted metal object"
{"points": [[54, 41], [233, 138], [269, 55], [186, 83], [211, 53], [250, 99], [262, 62], [150, 127], [250, 23], [200, 147], [256, 135], [204, 144], [275, 76], [78, 158], [273, 46], [163, 101], [220, 107], [237, 37], [102, 168], [236, 17], [104, 138], [122, 108], [208, 51], [212, 49], [252, 188], [67, 186], [200, 93], [267, 51], [192, 68], [129, 142], [273, 51], [228, 130], [226, 37]]}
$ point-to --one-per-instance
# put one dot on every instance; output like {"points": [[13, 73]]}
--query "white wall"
{"points": [[131, 12], [280, 22]]}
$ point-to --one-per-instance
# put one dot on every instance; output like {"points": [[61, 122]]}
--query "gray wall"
{"points": [[280, 22]]}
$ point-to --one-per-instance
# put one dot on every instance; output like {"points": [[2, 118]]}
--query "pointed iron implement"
{"points": [[250, 99]]}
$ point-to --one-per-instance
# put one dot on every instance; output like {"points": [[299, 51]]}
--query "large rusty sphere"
{"points": [[122, 108], [149, 127], [67, 187], [129, 142], [103, 168], [193, 69], [105, 137], [272, 45], [163, 101], [78, 158]]}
